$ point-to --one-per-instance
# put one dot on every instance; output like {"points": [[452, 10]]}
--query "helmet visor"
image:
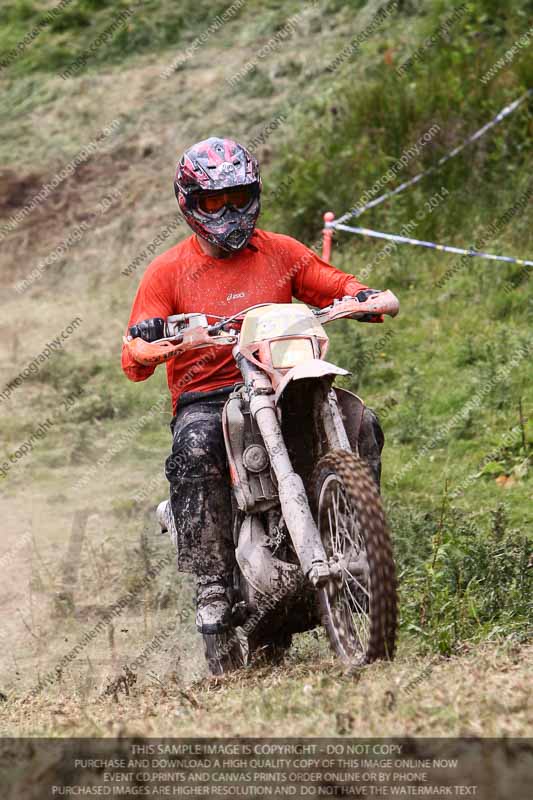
{"points": [[214, 203]]}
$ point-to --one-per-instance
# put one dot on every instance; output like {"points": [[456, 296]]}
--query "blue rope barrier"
{"points": [[456, 150], [421, 243]]}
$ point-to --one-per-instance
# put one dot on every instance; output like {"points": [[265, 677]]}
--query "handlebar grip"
{"points": [[149, 329]]}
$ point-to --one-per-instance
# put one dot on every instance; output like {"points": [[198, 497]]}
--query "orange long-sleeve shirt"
{"points": [[185, 279]]}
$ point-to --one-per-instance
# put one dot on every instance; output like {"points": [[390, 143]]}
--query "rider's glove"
{"points": [[148, 329], [362, 296]]}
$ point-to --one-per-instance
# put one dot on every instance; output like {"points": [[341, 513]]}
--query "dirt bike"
{"points": [[311, 539]]}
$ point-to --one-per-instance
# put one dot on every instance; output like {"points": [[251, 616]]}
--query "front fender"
{"points": [[315, 368]]}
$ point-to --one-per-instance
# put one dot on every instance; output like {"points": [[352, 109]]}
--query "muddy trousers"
{"points": [[200, 493]]}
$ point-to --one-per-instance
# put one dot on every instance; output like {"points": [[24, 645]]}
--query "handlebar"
{"points": [[379, 303], [186, 331]]}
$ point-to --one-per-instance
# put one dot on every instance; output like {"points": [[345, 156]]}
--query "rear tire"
{"points": [[223, 652], [359, 605]]}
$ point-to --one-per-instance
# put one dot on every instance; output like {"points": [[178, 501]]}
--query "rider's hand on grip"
{"points": [[364, 294], [149, 329], [362, 297]]}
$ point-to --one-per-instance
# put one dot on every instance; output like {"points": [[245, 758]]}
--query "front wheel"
{"points": [[358, 605]]}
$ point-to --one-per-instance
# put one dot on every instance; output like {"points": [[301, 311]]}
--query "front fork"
{"points": [[302, 528], [293, 499]]}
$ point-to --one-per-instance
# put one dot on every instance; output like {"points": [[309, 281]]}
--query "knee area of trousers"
{"points": [[198, 435], [194, 463], [193, 443]]}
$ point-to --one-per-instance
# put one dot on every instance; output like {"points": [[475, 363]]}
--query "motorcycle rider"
{"points": [[227, 264]]}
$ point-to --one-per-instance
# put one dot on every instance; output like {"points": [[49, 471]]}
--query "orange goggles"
{"points": [[238, 198]]}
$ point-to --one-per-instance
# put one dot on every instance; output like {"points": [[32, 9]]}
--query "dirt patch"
{"points": [[98, 173], [16, 190], [91, 197]]}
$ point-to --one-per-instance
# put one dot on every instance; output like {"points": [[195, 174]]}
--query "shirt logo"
{"points": [[235, 296]]}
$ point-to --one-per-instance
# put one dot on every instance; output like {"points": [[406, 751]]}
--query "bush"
{"points": [[475, 583]]}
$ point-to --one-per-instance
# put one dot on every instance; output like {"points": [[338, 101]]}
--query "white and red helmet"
{"points": [[218, 187]]}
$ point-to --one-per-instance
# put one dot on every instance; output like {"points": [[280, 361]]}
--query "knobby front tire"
{"points": [[359, 605]]}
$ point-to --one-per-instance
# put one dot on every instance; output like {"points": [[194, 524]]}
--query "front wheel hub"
{"points": [[335, 570]]}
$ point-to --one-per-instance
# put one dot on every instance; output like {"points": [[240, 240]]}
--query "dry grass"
{"points": [[484, 693]]}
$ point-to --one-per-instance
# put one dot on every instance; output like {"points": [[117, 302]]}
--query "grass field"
{"points": [[77, 503]]}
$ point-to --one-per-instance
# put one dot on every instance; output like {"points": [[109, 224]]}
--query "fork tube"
{"points": [[335, 430], [294, 504]]}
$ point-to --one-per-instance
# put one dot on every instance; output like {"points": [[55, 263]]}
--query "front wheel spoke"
{"points": [[350, 576], [345, 615], [336, 514], [332, 533], [346, 519], [347, 525], [354, 526], [356, 547], [362, 635], [358, 606], [359, 636], [330, 529]]}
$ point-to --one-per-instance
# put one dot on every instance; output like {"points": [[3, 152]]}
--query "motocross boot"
{"points": [[213, 610], [162, 514]]}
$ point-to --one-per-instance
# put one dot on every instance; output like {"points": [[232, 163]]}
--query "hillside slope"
{"points": [[327, 114]]}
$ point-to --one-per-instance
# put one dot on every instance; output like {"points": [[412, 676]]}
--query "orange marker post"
{"points": [[327, 236]]}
